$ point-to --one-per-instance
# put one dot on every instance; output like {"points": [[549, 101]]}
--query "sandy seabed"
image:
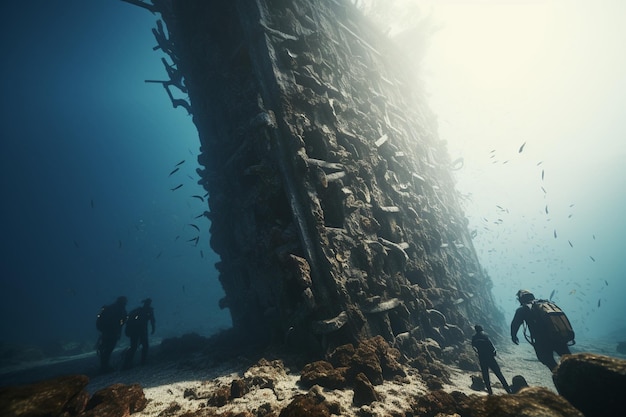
{"points": [[169, 382]]}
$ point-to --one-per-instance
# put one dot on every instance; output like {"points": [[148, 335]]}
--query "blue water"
{"points": [[87, 212]]}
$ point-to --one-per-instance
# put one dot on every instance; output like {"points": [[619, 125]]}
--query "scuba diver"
{"points": [[137, 331], [109, 322], [487, 358], [550, 329]]}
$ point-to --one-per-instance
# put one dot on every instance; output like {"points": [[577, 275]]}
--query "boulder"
{"points": [[435, 402], [46, 398], [595, 384], [324, 374], [117, 400], [238, 388], [311, 405], [341, 356], [517, 383], [364, 392], [533, 401], [377, 360], [219, 397]]}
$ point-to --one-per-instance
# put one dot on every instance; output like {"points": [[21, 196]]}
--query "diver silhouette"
{"points": [[487, 358], [109, 322], [541, 336], [137, 331]]}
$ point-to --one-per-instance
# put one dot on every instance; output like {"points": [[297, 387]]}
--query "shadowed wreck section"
{"points": [[332, 204]]}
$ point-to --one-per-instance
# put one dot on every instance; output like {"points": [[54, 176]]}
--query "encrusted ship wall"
{"points": [[332, 204]]}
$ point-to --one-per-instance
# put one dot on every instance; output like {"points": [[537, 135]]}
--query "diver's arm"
{"points": [[518, 319]]}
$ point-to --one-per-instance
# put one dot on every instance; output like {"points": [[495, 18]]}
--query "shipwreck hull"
{"points": [[332, 204]]}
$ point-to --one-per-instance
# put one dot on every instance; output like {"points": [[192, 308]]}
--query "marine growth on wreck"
{"points": [[332, 205]]}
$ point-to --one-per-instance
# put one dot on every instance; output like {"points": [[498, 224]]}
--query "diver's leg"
{"points": [[130, 353], [106, 348], [144, 347], [496, 370], [545, 354], [484, 369]]}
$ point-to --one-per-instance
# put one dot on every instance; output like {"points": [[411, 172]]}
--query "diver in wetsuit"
{"points": [[487, 358], [544, 345], [109, 322], [137, 331]]}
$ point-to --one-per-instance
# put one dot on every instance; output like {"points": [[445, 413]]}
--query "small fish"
{"points": [[572, 292], [119, 244], [76, 244], [598, 303], [206, 195], [569, 217], [606, 282], [547, 209], [198, 197], [521, 148], [544, 190], [176, 188], [492, 151], [180, 163], [594, 237], [92, 203], [199, 215], [173, 171], [555, 233], [183, 288], [159, 254], [176, 238], [552, 294], [195, 239], [201, 254], [505, 162], [539, 163], [570, 243], [542, 174], [194, 226], [592, 258]]}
